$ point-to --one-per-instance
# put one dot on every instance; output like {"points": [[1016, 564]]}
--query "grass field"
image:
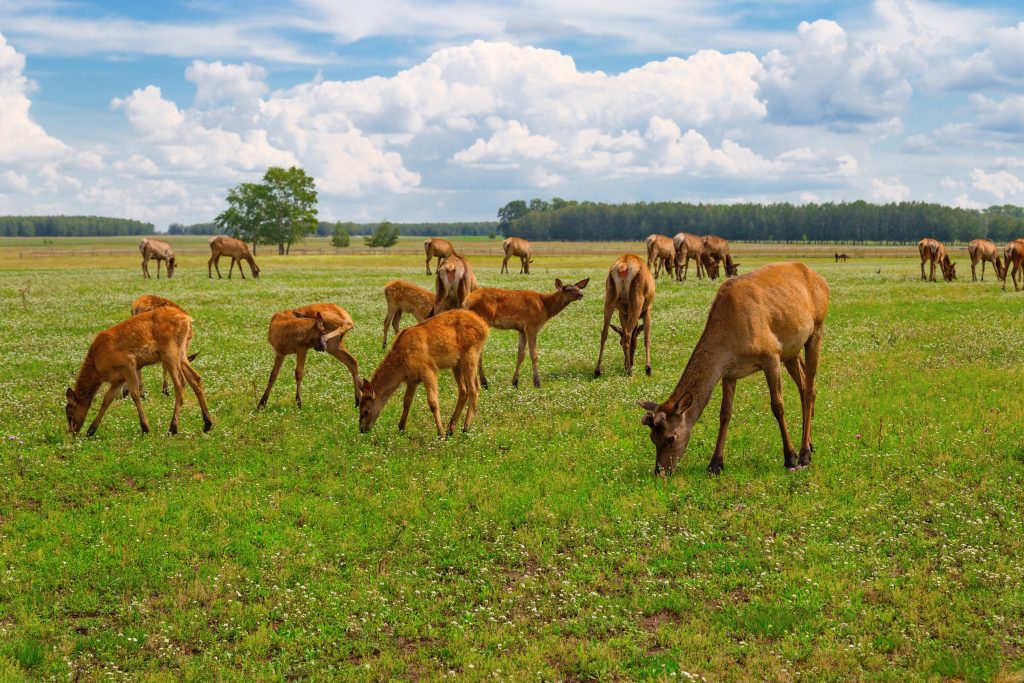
{"points": [[286, 545]]}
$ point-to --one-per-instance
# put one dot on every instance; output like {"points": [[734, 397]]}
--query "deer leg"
{"points": [[164, 388], [797, 370], [647, 339], [135, 391], [335, 348], [196, 382], [173, 366], [389, 319], [504, 265], [524, 268], [474, 391], [609, 306], [242, 272], [974, 275], [158, 269], [108, 398], [278, 360], [430, 384], [531, 339], [717, 463], [300, 367], [922, 269], [982, 271], [481, 377], [812, 353], [410, 391], [773, 374], [460, 403], [519, 358]]}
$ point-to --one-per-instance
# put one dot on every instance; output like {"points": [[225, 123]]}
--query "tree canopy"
{"points": [[71, 226], [280, 210]]}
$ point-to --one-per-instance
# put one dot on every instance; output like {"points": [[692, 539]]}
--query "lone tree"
{"points": [[281, 210], [245, 214], [341, 236], [386, 235]]}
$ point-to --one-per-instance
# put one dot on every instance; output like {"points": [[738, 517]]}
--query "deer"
{"points": [[717, 249], [221, 245], [841, 257], [983, 250], [661, 252], [157, 336], [405, 297], [321, 327], [688, 247], [628, 289], [1013, 255], [757, 322], [161, 251], [453, 282], [435, 246], [453, 340], [525, 312], [147, 302], [517, 246], [934, 252]]}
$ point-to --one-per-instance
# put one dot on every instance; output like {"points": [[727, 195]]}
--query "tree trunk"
{"points": [[280, 248], [288, 249]]}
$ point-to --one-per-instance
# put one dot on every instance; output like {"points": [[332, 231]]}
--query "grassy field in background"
{"points": [[286, 545]]}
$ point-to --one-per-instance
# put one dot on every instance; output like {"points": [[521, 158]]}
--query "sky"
{"points": [[416, 110]]}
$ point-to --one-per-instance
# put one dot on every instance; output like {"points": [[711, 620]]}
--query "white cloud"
{"points": [[963, 201], [1000, 64], [1002, 184], [13, 181], [21, 138], [241, 84], [889, 190], [1005, 116]]}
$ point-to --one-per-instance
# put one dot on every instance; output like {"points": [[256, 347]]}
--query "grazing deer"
{"points": [[116, 354], [934, 252], [628, 289], [147, 302], [688, 247], [321, 327], [755, 323], [435, 246], [405, 297], [524, 311], [661, 252], [452, 341], [453, 282], [717, 249], [221, 245], [983, 250], [1013, 255], [517, 246], [156, 249], [841, 257]]}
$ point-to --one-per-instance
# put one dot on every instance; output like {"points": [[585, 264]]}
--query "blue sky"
{"points": [[414, 110]]}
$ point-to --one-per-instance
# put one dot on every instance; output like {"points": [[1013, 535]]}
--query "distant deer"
{"points": [[688, 247], [934, 252], [116, 354], [1013, 256], [983, 250], [841, 257], [238, 250], [147, 302], [517, 246], [628, 289], [435, 246], [524, 311], [452, 284], [452, 341], [321, 327], [151, 248], [718, 249], [756, 323], [661, 252], [405, 297]]}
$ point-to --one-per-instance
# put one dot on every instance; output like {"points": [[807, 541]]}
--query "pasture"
{"points": [[284, 544]]}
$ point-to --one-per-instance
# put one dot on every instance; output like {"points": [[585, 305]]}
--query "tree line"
{"points": [[71, 226], [852, 222]]}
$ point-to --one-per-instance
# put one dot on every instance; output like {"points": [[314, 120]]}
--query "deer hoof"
{"points": [[597, 373], [648, 370], [716, 467], [536, 382], [145, 428], [91, 431], [483, 383], [173, 429], [207, 426]]}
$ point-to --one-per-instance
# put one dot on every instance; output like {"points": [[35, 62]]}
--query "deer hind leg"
{"points": [[462, 376], [196, 382], [278, 361], [647, 339], [430, 384], [410, 391], [923, 259], [717, 463], [531, 339], [158, 269], [300, 368], [504, 265], [519, 358], [609, 306], [336, 349], [812, 352], [216, 264], [391, 319], [797, 370], [773, 374], [145, 267], [135, 391], [173, 366], [974, 275], [473, 387], [108, 398]]}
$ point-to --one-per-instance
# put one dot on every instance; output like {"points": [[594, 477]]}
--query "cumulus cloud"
{"points": [[1004, 116], [21, 138], [889, 190], [240, 84], [1002, 184], [1000, 64]]}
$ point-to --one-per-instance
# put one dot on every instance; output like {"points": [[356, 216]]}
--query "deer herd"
{"points": [[769, 318]]}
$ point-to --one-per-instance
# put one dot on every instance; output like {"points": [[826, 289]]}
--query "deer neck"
{"points": [[88, 381], [388, 376], [703, 371], [554, 303]]}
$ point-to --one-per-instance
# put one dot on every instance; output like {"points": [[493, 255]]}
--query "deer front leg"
{"points": [[519, 358], [773, 374], [107, 400], [504, 265], [923, 277], [174, 368], [430, 384], [474, 391], [131, 379], [278, 361], [410, 391], [461, 375], [300, 368], [717, 463], [158, 269], [647, 339], [796, 368], [531, 339], [196, 382]]}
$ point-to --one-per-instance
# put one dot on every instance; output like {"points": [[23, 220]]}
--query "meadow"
{"points": [[286, 545]]}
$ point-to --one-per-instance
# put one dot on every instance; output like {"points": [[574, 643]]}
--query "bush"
{"points": [[386, 235], [341, 237]]}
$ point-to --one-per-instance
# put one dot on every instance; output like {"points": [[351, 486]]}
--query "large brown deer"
{"points": [[757, 322], [717, 248], [147, 302], [628, 289], [517, 246], [151, 248], [405, 297], [452, 341], [688, 247], [524, 311], [439, 248], [221, 245], [321, 327], [661, 252], [934, 251], [116, 354], [983, 250], [1013, 256], [453, 282]]}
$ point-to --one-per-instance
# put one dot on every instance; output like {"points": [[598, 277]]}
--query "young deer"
{"points": [[321, 327], [452, 284], [1013, 256], [983, 250], [405, 297], [661, 252], [841, 257], [524, 311], [717, 249], [435, 246], [147, 302], [116, 354], [756, 323], [238, 250], [156, 249], [452, 341], [934, 252], [517, 246], [688, 247], [628, 289]]}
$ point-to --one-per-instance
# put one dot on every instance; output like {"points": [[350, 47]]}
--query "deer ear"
{"points": [[367, 387], [558, 283], [71, 397], [647, 419], [582, 283], [297, 314], [647, 405], [683, 403]]}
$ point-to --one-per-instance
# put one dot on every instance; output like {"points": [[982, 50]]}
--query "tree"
{"points": [[247, 210], [511, 211], [341, 237], [386, 235], [290, 206]]}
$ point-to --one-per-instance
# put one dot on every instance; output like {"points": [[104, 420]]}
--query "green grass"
{"points": [[286, 545]]}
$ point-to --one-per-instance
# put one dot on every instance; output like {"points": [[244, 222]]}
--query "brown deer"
{"points": [[453, 282], [661, 252], [221, 245], [756, 323], [983, 250], [934, 252], [452, 341], [717, 249], [405, 297], [517, 246], [321, 327], [688, 247], [435, 246], [116, 354], [1013, 256], [628, 289], [156, 249], [524, 311], [147, 302], [841, 257]]}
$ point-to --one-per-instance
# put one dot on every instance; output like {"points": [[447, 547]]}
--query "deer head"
{"points": [[629, 344], [670, 427], [571, 292], [76, 411], [948, 270], [369, 406], [317, 331], [171, 265]]}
